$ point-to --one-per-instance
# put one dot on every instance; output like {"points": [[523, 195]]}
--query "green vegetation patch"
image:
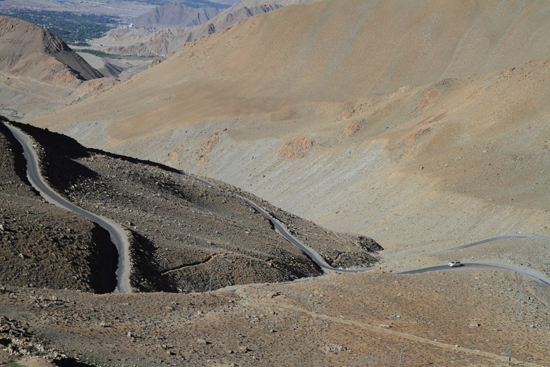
{"points": [[73, 28]]}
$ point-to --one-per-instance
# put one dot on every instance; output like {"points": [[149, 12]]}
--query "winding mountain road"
{"points": [[530, 273], [116, 232], [280, 228], [120, 239], [312, 254]]}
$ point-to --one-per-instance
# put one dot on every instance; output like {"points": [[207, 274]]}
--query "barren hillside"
{"points": [[38, 71], [128, 41], [42, 245], [440, 319], [422, 125], [175, 14], [181, 230], [30, 51]]}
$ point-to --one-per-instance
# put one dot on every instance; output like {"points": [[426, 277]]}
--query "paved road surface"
{"points": [[280, 228], [117, 233], [531, 273], [119, 238]]}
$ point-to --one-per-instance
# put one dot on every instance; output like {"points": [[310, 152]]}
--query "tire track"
{"points": [[394, 333]]}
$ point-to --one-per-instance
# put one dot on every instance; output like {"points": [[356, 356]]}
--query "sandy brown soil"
{"points": [[449, 318], [38, 71], [30, 51], [422, 127], [421, 148]]}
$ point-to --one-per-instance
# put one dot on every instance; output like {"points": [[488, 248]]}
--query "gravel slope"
{"points": [[182, 230], [42, 245]]}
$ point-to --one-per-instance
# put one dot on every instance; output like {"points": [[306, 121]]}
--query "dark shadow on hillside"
{"points": [[70, 362], [62, 145], [20, 162], [145, 275], [57, 159], [103, 261]]}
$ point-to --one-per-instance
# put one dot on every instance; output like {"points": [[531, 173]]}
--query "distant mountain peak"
{"points": [[175, 14], [33, 52]]}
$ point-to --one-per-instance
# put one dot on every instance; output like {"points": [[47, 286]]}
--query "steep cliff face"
{"points": [[29, 51]]}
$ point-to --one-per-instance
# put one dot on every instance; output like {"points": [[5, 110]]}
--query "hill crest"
{"points": [[127, 41], [30, 51], [175, 14]]}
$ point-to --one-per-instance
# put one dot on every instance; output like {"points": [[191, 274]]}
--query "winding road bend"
{"points": [[315, 257], [117, 233], [530, 273], [280, 228], [120, 239]]}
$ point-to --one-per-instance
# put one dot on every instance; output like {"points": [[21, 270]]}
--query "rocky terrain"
{"points": [[420, 124], [422, 148], [184, 231], [44, 246], [128, 41], [175, 14], [447, 318]]}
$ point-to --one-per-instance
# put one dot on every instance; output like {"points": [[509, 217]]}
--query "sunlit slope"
{"points": [[425, 123], [27, 50], [296, 59]]}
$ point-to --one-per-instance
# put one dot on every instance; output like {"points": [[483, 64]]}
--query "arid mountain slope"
{"points": [[30, 51], [38, 71], [425, 123], [128, 41], [181, 230], [42, 245], [175, 14], [275, 65]]}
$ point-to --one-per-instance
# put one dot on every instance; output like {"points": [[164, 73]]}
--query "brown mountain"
{"points": [[175, 14], [418, 123], [176, 240], [29, 51], [421, 123], [128, 41]]}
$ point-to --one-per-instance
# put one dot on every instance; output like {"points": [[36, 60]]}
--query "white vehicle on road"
{"points": [[454, 263]]}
